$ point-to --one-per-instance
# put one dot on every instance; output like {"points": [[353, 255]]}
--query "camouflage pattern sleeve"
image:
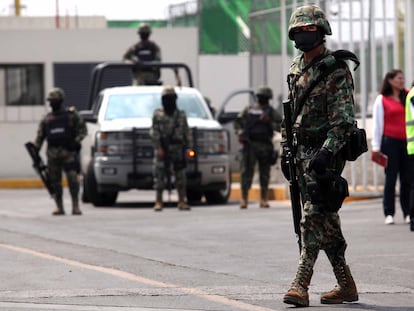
{"points": [[157, 53], [188, 139], [276, 120], [238, 123], [340, 107], [41, 134], [155, 132], [130, 54], [80, 126]]}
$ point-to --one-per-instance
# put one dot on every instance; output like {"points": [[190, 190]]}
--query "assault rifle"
{"points": [[40, 167], [289, 157]]}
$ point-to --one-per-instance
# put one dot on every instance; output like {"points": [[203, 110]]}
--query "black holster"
{"points": [[328, 189]]}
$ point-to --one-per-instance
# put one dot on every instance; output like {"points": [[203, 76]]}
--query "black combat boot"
{"points": [[59, 207], [182, 202], [75, 207], [345, 290], [298, 292]]}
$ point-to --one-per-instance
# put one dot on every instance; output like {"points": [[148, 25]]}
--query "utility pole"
{"points": [[17, 7]]}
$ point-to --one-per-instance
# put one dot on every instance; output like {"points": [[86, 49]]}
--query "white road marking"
{"points": [[140, 279]]}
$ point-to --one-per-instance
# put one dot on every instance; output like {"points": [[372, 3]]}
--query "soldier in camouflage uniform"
{"points": [[64, 130], [326, 117], [144, 51], [255, 126], [171, 138]]}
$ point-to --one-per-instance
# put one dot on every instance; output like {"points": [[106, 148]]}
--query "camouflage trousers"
{"points": [[260, 153], [177, 170], [320, 229], [58, 160]]}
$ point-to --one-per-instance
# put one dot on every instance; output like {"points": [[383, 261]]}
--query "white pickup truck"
{"points": [[117, 154]]}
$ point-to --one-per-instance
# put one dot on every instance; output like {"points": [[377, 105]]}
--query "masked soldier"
{"points": [[63, 129], [320, 128], [144, 51], [255, 126], [171, 138]]}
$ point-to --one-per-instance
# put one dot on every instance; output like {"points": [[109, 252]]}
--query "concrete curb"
{"points": [[276, 192]]}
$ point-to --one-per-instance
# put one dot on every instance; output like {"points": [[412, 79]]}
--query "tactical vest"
{"points": [[59, 131], [256, 129], [146, 52], [409, 121]]}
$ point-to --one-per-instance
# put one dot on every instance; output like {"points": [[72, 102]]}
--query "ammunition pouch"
{"points": [[328, 189], [356, 144]]}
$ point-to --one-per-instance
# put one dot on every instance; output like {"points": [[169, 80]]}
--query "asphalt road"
{"points": [[129, 257]]}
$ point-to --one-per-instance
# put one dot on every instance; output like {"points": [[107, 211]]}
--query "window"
{"points": [[21, 85]]}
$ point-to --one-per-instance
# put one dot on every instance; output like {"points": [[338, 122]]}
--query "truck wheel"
{"points": [[193, 196], [91, 190], [85, 198], [219, 196]]}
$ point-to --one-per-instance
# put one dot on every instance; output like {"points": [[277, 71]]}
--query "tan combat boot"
{"points": [[298, 292], [243, 203], [59, 207], [264, 203], [158, 206], [183, 206], [345, 290], [75, 208]]}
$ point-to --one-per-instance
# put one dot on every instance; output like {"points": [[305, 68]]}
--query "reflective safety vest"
{"points": [[409, 121]]}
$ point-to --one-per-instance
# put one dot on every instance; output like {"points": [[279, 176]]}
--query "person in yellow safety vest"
{"points": [[409, 126]]}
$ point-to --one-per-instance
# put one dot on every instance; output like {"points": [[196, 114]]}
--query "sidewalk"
{"points": [[276, 192]]}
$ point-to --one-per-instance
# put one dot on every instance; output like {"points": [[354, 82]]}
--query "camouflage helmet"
{"points": [[309, 15], [168, 90], [56, 93], [264, 91], [144, 28]]}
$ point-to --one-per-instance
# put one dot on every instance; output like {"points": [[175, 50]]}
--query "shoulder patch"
{"points": [[72, 109]]}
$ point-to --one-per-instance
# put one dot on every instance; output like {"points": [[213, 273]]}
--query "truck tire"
{"points": [[220, 196], [91, 190], [194, 196]]}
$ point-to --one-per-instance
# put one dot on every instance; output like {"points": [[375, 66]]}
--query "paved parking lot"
{"points": [[212, 258]]}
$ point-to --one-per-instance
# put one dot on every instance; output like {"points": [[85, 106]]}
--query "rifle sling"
{"points": [[340, 57]]}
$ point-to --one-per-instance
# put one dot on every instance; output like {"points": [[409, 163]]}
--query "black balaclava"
{"points": [[169, 104], [262, 100], [55, 104], [308, 40], [144, 35]]}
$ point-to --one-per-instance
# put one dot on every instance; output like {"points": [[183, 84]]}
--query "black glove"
{"points": [[321, 161], [285, 168]]}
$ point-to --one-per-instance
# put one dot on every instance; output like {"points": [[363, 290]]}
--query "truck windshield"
{"points": [[142, 105]]}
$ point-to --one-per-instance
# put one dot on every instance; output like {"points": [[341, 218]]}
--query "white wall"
{"points": [[215, 75], [74, 45], [222, 74]]}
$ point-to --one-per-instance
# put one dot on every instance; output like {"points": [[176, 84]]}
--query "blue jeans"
{"points": [[398, 164]]}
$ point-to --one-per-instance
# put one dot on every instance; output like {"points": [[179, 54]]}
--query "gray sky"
{"points": [[112, 9]]}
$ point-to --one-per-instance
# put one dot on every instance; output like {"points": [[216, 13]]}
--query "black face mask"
{"points": [[55, 104], [169, 104], [144, 36], [262, 100], [307, 40]]}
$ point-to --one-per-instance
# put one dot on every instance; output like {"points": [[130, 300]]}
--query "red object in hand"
{"points": [[380, 158]]}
